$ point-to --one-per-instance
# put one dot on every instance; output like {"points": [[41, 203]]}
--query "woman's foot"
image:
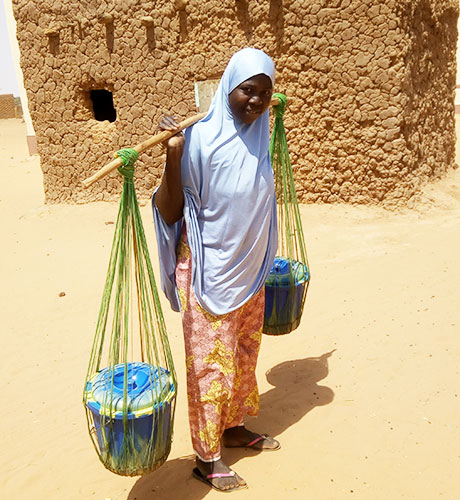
{"points": [[240, 437], [218, 475]]}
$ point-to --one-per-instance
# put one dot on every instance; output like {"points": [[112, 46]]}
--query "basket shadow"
{"points": [[172, 481], [295, 393]]}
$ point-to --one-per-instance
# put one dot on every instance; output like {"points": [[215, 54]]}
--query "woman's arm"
{"points": [[169, 197]]}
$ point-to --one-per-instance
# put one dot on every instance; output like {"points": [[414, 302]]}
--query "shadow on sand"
{"points": [[295, 393]]}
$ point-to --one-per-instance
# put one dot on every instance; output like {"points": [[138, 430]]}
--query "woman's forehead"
{"points": [[260, 80]]}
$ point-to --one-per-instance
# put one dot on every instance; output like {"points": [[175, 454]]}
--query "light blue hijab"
{"points": [[230, 206]]}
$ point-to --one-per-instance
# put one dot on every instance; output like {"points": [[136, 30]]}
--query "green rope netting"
{"points": [[287, 284], [130, 388]]}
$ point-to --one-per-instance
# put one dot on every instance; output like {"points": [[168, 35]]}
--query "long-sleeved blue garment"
{"points": [[230, 205]]}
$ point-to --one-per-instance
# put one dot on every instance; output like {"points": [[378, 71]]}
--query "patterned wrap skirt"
{"points": [[221, 357]]}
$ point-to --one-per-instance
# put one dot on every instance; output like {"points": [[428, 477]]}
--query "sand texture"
{"points": [[364, 396]]}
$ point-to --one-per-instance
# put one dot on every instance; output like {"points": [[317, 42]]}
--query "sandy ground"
{"points": [[364, 396]]}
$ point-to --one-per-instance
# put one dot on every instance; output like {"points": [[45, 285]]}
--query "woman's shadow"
{"points": [[295, 393]]}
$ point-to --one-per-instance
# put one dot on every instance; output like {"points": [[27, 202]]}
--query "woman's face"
{"points": [[251, 98]]}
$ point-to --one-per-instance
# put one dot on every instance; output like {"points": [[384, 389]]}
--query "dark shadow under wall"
{"points": [[242, 14], [150, 35], [110, 36], [276, 20], [183, 29], [53, 43]]}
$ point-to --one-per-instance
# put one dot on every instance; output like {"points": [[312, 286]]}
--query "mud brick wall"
{"points": [[370, 86], [7, 106]]}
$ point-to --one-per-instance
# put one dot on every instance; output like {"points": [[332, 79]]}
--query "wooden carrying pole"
{"points": [[148, 143]]}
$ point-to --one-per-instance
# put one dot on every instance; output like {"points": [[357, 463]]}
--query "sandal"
{"points": [[206, 479], [258, 439]]}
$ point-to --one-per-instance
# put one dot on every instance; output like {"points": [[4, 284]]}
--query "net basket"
{"points": [[130, 388], [287, 284]]}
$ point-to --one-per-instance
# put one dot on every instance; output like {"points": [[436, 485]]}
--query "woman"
{"points": [[215, 217]]}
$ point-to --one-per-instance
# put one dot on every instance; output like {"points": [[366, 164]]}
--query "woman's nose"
{"points": [[255, 99]]}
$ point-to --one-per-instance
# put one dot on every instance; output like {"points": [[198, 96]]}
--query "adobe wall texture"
{"points": [[7, 106], [371, 86]]}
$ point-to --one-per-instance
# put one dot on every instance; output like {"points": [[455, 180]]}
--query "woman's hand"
{"points": [[177, 141]]}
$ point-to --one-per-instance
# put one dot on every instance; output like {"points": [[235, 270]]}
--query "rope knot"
{"points": [[128, 157], [281, 107]]}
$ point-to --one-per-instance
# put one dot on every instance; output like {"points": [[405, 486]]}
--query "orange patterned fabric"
{"points": [[221, 356]]}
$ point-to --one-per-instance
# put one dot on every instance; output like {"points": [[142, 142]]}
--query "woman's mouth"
{"points": [[253, 112]]}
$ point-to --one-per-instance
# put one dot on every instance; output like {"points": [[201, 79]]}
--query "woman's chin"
{"points": [[249, 118]]}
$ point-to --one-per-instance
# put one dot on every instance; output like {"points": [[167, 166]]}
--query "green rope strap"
{"points": [[291, 231], [128, 157], [280, 108]]}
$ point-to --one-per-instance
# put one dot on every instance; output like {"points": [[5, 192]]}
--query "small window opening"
{"points": [[204, 92], [103, 108]]}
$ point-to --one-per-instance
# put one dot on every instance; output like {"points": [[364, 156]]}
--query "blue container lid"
{"points": [[147, 387], [286, 272]]}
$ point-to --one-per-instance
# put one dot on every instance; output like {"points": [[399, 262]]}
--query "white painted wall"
{"points": [[11, 27]]}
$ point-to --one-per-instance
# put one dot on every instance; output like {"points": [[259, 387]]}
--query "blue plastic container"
{"points": [[284, 296], [144, 443]]}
